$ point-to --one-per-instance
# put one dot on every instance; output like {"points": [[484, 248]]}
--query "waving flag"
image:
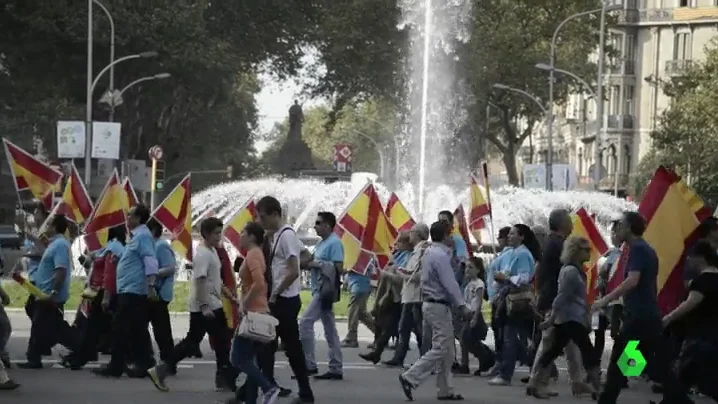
{"points": [[460, 227], [175, 214], [584, 226], [76, 203], [480, 208], [32, 174], [673, 212], [398, 215], [109, 212], [365, 232], [232, 229], [130, 195]]}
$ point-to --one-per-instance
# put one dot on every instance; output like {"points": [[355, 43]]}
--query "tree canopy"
{"points": [[686, 138]]}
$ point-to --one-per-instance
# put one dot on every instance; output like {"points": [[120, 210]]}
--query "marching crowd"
{"points": [[535, 289]]}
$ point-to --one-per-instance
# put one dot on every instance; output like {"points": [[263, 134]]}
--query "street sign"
{"points": [[156, 152], [139, 174]]}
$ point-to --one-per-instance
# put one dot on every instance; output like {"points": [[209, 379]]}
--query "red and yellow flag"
{"points": [[398, 215], [32, 174], [584, 226], [233, 228], [460, 227], [480, 208], [365, 232], [130, 195], [109, 212], [76, 202], [673, 212], [175, 214]]}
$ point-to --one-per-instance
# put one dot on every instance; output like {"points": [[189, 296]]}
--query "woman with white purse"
{"points": [[256, 326]]}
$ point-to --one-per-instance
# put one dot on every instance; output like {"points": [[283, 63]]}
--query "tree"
{"points": [[508, 38], [686, 138]]}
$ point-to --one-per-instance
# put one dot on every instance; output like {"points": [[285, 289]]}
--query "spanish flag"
{"points": [[32, 174], [673, 212], [584, 226], [76, 202], [365, 232], [131, 196], [231, 311], [175, 214], [398, 215], [109, 212], [232, 229], [479, 209]]}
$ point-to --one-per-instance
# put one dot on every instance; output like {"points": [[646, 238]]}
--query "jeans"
{"points": [[514, 347], [358, 313], [244, 359], [410, 321], [314, 312], [563, 334]]}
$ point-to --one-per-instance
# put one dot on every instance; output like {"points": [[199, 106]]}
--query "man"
{"points": [[284, 300], [360, 288], [205, 307], [136, 275], [440, 292], [560, 227], [52, 278], [159, 315], [642, 319], [459, 249], [326, 267], [411, 319]]}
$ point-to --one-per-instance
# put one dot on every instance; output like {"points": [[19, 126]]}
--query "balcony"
{"points": [[655, 15], [679, 67], [619, 122], [621, 67], [627, 16]]}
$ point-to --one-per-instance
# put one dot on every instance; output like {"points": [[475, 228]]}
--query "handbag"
{"points": [[519, 301], [258, 327]]}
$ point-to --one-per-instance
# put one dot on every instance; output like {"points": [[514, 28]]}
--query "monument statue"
{"points": [[294, 156]]}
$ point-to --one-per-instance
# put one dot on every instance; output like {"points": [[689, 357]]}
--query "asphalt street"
{"points": [[363, 382]]}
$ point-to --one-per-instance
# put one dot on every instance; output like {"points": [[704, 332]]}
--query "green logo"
{"points": [[631, 362]]}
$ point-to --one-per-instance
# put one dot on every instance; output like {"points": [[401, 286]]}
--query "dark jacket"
{"points": [[548, 270]]}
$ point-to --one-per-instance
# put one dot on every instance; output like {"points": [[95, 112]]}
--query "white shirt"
{"points": [[287, 245], [206, 264], [474, 294]]}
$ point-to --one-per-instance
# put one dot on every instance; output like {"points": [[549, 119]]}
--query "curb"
{"points": [[173, 314]]}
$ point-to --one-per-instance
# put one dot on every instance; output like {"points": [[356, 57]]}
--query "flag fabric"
{"points": [[673, 212], [76, 202], [29, 287], [584, 226], [233, 228], [31, 174], [231, 311], [460, 227], [479, 209], [131, 199], [398, 215], [175, 214], [365, 232], [109, 212]]}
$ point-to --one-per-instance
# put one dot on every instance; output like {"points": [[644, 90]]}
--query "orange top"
{"points": [[252, 273]]}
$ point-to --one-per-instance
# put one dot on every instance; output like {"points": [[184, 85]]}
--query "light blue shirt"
{"points": [[358, 283], [327, 250], [32, 263], [460, 251], [133, 268], [165, 259], [56, 256], [401, 258], [115, 247], [518, 265], [500, 261], [438, 282]]}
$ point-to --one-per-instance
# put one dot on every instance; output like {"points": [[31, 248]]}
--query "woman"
{"points": [[253, 299], [514, 293], [569, 319], [699, 351]]}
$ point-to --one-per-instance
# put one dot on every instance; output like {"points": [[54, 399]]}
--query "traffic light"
{"points": [[160, 175], [230, 171]]}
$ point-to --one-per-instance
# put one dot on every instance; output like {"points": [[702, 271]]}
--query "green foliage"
{"points": [[686, 138]]}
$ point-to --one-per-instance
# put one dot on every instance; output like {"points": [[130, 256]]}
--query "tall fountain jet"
{"points": [[424, 102]]}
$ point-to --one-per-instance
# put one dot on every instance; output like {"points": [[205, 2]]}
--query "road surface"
{"points": [[363, 382]]}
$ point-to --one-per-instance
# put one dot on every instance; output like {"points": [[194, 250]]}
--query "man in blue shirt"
{"points": [[136, 276], [159, 315], [326, 267], [52, 278], [359, 286]]}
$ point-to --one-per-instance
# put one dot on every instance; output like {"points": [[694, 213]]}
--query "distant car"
{"points": [[9, 237]]}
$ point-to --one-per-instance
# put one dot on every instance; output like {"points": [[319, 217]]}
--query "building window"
{"points": [[615, 100], [682, 46], [683, 3], [628, 92], [630, 51]]}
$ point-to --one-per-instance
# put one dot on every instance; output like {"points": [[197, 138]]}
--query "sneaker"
{"points": [[329, 376], [9, 385], [499, 381], [157, 375], [270, 397]]}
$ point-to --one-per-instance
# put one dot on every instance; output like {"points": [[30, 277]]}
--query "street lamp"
{"points": [[549, 177], [544, 66], [601, 56], [88, 106], [112, 45]]}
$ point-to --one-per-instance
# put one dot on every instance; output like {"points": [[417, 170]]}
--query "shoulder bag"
{"points": [[258, 327]]}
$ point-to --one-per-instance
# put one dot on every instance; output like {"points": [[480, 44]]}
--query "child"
{"points": [[5, 382], [475, 329]]}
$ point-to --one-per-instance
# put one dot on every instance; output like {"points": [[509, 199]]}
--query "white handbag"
{"points": [[258, 327]]}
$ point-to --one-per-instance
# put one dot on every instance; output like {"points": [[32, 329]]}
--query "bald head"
{"points": [[419, 232]]}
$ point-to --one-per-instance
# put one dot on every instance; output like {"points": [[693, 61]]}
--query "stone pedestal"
{"points": [[294, 156]]}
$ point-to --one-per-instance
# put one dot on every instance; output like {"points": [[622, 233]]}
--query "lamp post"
{"points": [[88, 106], [601, 56], [112, 47], [549, 177], [544, 66]]}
